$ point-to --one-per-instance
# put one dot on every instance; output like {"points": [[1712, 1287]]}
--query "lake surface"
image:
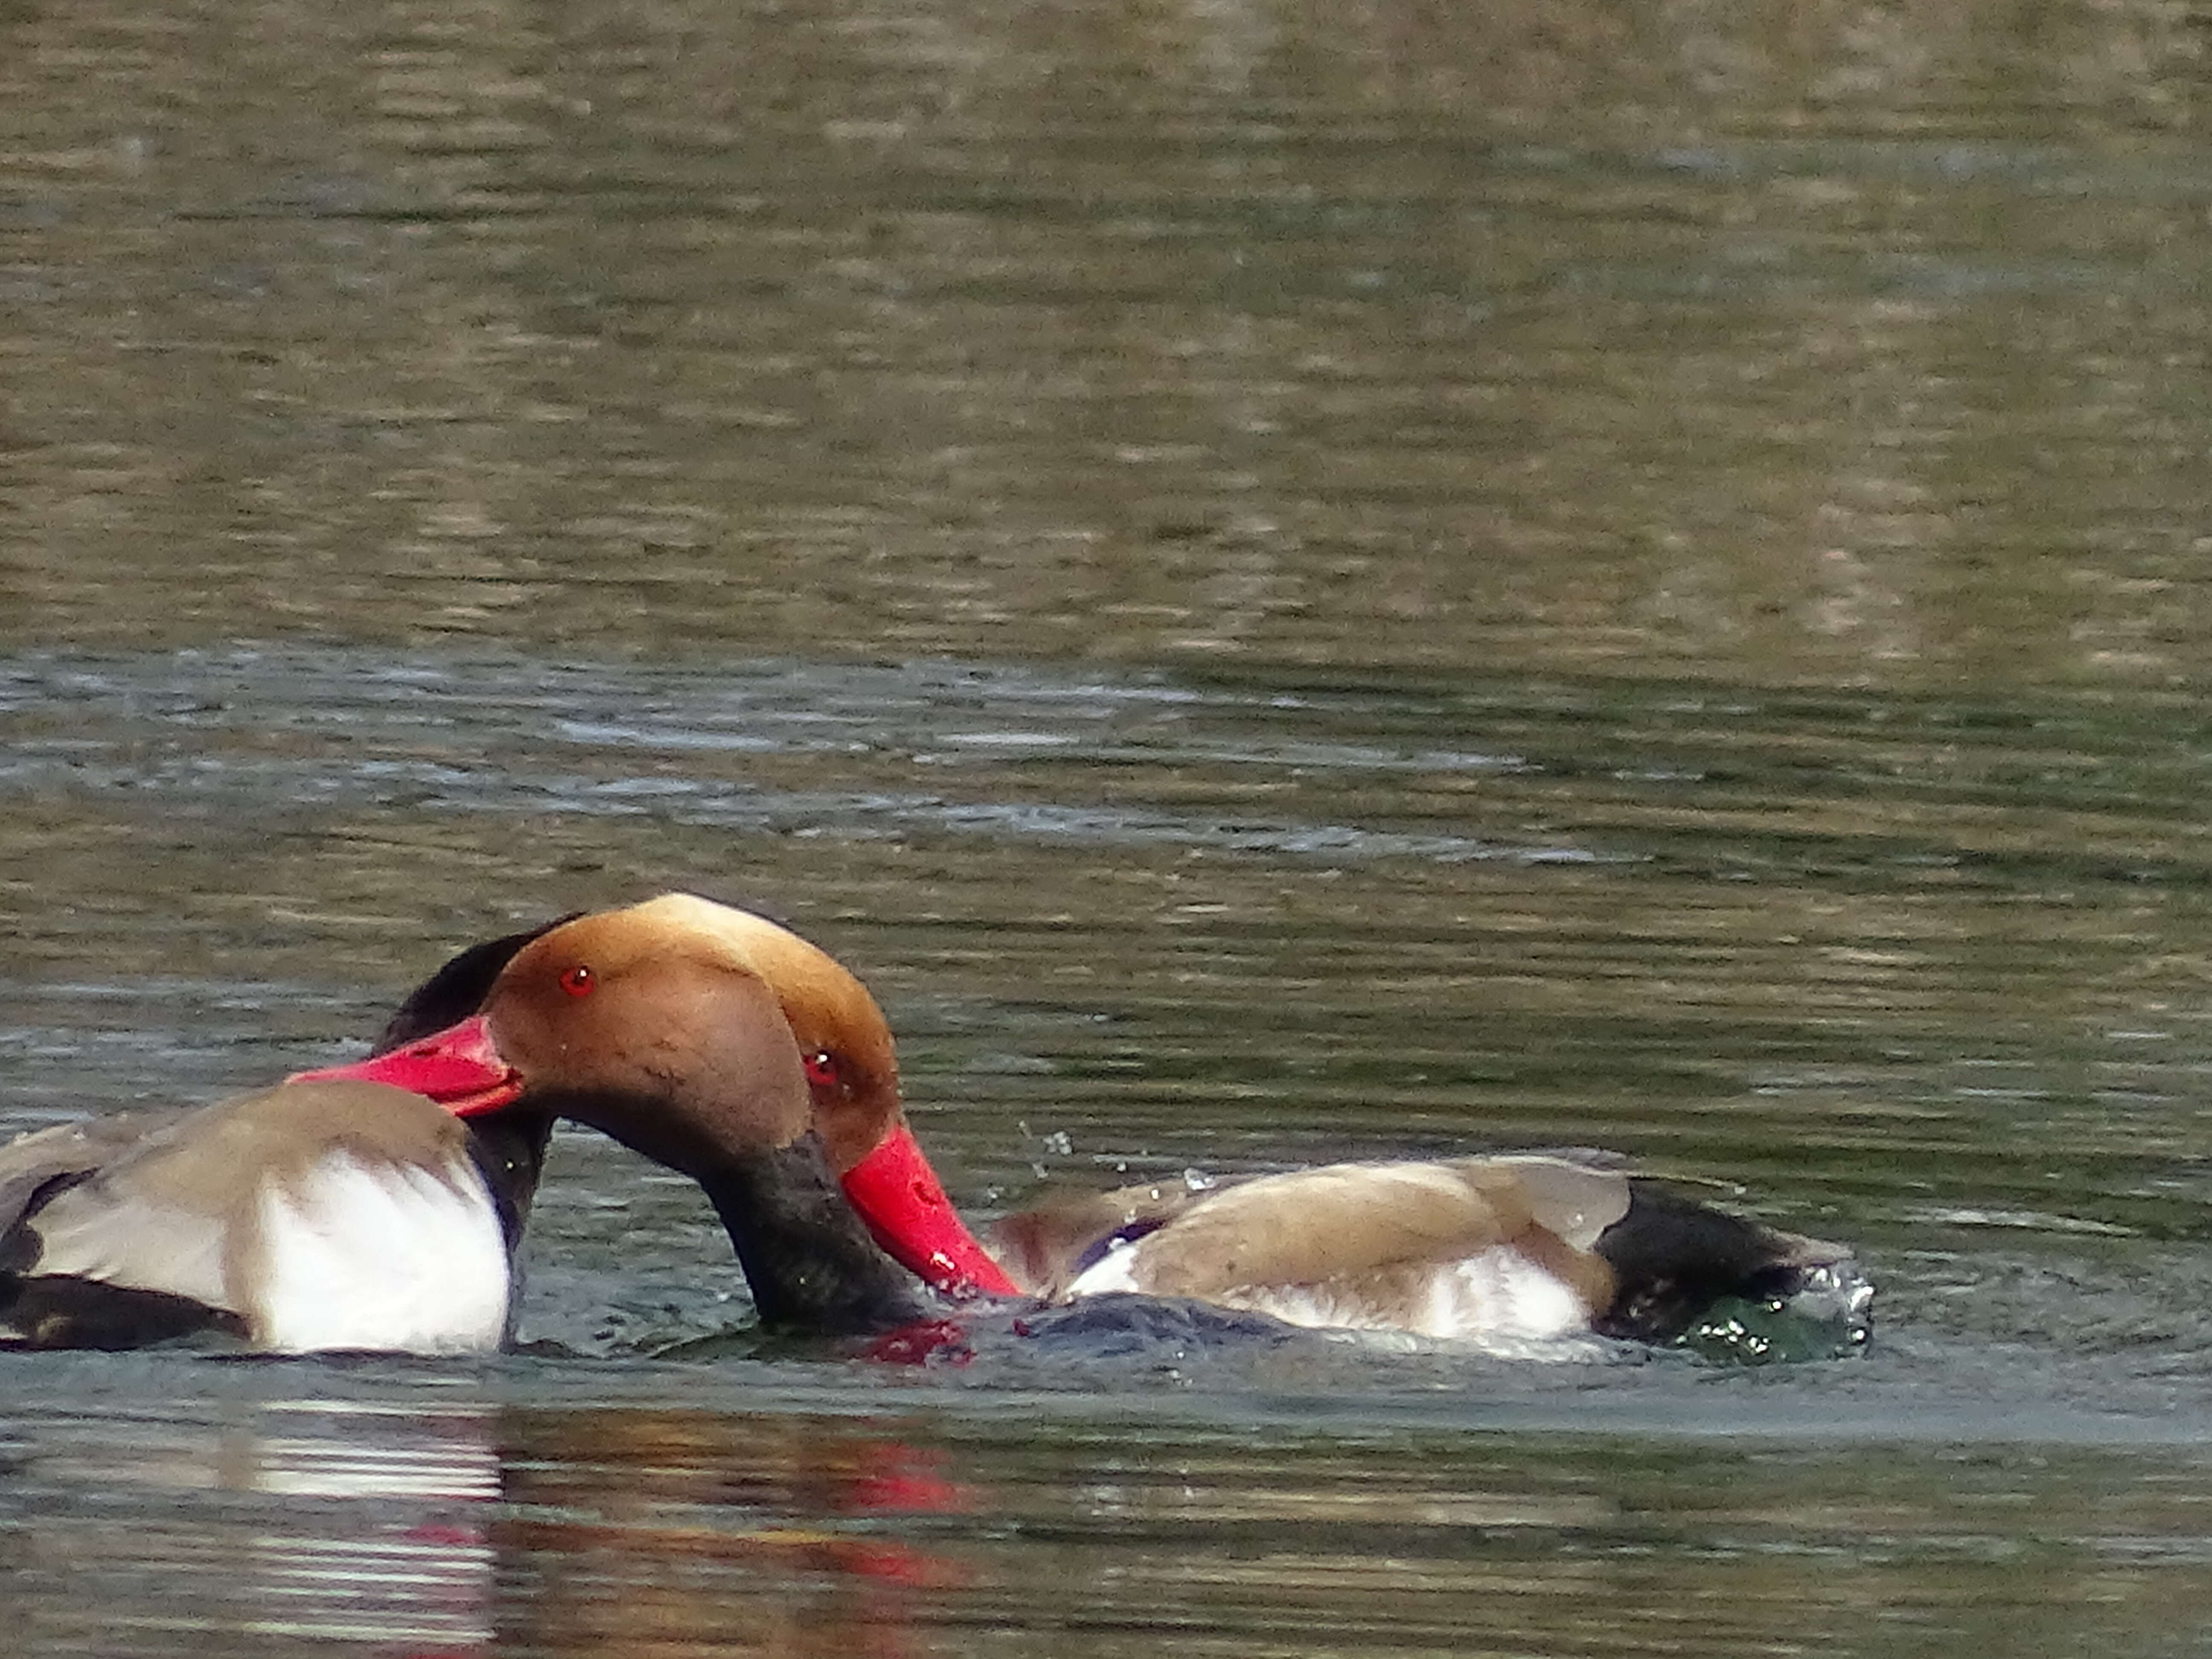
{"points": [[1286, 582]]}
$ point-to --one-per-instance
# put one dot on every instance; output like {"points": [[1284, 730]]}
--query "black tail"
{"points": [[1674, 1259]]}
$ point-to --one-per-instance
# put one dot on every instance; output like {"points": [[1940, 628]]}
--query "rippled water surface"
{"points": [[1286, 582]]}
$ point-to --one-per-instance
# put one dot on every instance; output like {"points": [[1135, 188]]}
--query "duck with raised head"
{"points": [[1499, 1247], [719, 1046], [845, 1049]]}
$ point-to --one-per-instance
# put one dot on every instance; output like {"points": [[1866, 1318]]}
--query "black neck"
{"points": [[509, 1150], [811, 1265]]}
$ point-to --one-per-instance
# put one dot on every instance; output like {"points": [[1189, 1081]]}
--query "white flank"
{"points": [[1502, 1293], [390, 1257]]}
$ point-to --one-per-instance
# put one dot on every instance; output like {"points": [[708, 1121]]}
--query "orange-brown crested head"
{"points": [[723, 1018], [844, 1041]]}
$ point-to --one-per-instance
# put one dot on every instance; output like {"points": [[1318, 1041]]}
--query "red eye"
{"points": [[579, 980], [822, 1069]]}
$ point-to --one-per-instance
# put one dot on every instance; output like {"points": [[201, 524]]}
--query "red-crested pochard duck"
{"points": [[1502, 1247], [845, 1047], [721, 1047]]}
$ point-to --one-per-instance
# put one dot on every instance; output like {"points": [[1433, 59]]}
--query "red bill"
{"points": [[898, 1195], [459, 1067]]}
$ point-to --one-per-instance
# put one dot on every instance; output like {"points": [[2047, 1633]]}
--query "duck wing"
{"points": [[80, 1265], [34, 1166]]}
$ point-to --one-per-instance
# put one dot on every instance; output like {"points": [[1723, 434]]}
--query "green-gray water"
{"points": [[1286, 582]]}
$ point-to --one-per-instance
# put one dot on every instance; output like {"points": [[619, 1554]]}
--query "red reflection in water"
{"points": [[644, 1531]]}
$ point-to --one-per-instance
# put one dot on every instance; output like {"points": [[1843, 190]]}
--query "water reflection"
{"points": [[628, 1531], [1085, 1537], [532, 1526], [287, 1521], [411, 1527]]}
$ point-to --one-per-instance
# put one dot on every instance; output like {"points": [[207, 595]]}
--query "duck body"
{"points": [[313, 1215], [1502, 1248]]}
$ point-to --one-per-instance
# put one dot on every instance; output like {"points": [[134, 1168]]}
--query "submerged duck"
{"points": [[1504, 1247], [1498, 1247]]}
